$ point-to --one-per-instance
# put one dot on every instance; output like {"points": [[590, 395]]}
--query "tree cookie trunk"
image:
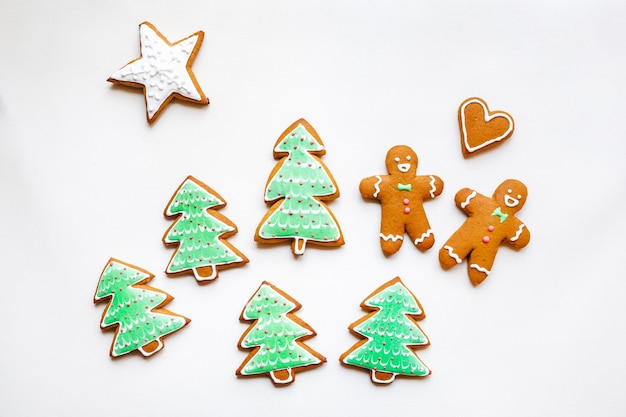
{"points": [[205, 273], [298, 246], [151, 348], [381, 377], [282, 376]]}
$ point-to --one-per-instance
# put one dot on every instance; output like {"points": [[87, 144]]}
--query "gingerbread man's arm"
{"points": [[370, 186], [431, 185], [521, 237], [469, 200]]}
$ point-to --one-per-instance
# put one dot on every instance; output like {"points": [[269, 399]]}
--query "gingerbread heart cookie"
{"points": [[482, 128]]}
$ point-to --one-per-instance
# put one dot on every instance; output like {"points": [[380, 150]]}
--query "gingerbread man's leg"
{"points": [[454, 250], [479, 263], [391, 235], [421, 234]]}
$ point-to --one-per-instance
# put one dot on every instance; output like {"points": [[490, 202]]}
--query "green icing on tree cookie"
{"points": [[299, 183], [199, 232], [390, 330], [276, 337], [135, 309]]}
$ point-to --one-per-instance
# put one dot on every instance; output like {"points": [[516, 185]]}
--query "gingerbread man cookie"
{"points": [[401, 194], [491, 221]]}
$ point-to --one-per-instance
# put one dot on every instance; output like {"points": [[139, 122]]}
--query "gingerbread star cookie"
{"points": [[163, 70], [481, 128]]}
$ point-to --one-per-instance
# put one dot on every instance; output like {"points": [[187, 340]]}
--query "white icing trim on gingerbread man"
{"points": [[480, 268], [423, 236], [450, 250], [468, 199], [391, 237], [518, 233], [376, 186]]}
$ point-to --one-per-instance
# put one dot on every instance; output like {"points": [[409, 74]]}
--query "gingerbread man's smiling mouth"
{"points": [[510, 201], [404, 167]]}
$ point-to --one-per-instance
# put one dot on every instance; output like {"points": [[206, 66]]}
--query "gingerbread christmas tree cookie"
{"points": [[276, 337], [200, 232], [298, 187], [135, 310], [390, 330]]}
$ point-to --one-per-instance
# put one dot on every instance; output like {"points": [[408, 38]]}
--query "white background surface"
{"points": [[84, 178]]}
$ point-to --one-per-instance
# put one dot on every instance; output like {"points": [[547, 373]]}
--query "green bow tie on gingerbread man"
{"points": [[502, 216]]}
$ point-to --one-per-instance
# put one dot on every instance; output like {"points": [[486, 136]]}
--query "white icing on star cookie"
{"points": [[163, 70]]}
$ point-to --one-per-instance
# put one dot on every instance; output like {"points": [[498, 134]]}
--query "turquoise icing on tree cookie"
{"points": [[276, 337], [390, 329], [135, 309], [298, 186], [199, 232]]}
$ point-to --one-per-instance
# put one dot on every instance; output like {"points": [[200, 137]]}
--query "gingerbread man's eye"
{"points": [[408, 158], [396, 159], [509, 191], [519, 196]]}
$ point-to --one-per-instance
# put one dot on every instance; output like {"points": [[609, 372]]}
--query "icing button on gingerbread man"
{"points": [[491, 221], [401, 194]]}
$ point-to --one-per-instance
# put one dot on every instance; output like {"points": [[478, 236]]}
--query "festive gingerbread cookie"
{"points": [[491, 221], [390, 330], [200, 232], [135, 310], [163, 70], [276, 337], [401, 194], [481, 128], [298, 187]]}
